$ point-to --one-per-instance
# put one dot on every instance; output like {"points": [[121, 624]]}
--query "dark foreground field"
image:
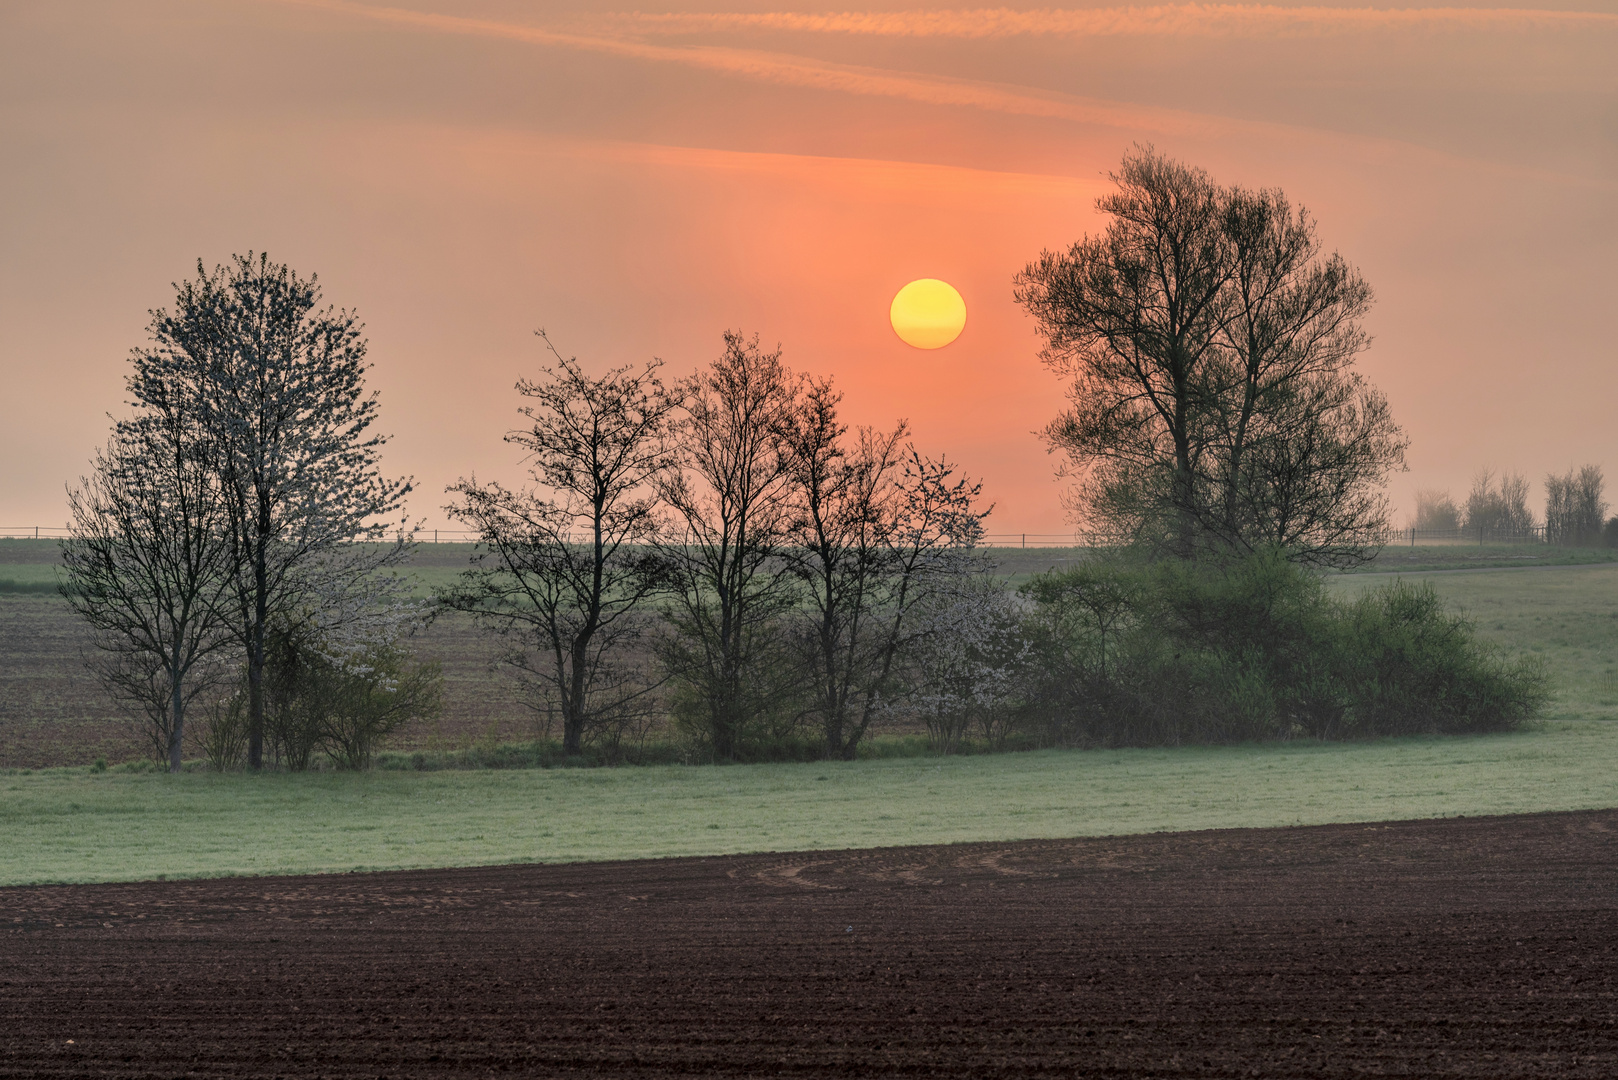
{"points": [[1485, 947]]}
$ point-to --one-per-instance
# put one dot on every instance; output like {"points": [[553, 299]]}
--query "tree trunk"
{"points": [[573, 715], [177, 727], [255, 706], [255, 649]]}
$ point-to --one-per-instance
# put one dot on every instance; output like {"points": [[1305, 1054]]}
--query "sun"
{"points": [[928, 313]]}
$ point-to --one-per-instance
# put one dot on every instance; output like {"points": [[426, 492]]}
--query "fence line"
{"points": [[32, 532], [1533, 534]]}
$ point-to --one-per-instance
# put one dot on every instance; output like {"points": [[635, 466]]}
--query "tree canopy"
{"points": [[1209, 345]]}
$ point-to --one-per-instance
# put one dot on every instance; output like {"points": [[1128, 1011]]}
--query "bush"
{"points": [[1256, 648], [342, 705], [1408, 667], [221, 736]]}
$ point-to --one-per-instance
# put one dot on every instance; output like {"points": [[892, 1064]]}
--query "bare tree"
{"points": [[870, 523], [838, 548], [1209, 347], [1498, 510], [729, 498], [147, 566], [1575, 508], [566, 569], [275, 388]]}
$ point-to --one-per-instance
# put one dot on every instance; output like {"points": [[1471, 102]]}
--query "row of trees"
{"points": [[239, 516], [725, 547], [725, 551], [1575, 508]]}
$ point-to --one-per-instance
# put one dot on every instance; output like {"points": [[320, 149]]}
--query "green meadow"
{"points": [[64, 825], [80, 825]]}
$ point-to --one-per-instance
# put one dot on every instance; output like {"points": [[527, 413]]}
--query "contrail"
{"points": [[1204, 20]]}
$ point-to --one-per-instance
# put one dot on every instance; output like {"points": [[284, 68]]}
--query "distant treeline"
{"points": [[1497, 508]]}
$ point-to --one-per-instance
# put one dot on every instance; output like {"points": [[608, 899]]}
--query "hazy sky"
{"points": [[637, 179]]}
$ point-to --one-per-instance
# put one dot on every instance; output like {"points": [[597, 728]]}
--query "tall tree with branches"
{"points": [[147, 566], [275, 387], [729, 504], [1133, 319], [1301, 443], [1209, 345], [839, 546], [567, 567]]}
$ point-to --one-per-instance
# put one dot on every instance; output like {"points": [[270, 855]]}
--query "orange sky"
{"points": [[638, 178]]}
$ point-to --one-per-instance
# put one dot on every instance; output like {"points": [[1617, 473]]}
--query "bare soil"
{"points": [[54, 712], [1457, 948]]}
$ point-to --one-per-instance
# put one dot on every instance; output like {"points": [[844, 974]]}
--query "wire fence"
{"points": [[32, 532], [1479, 535]]}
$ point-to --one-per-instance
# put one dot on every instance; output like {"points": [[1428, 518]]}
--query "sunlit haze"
{"points": [[638, 181]]}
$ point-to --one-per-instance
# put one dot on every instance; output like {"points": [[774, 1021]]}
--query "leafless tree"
{"points": [[567, 568], [843, 502], [146, 566], [1209, 346], [275, 389], [729, 501], [876, 530], [1498, 510], [1574, 507]]}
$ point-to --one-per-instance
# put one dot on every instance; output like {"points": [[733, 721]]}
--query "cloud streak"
{"points": [[1200, 20], [875, 174], [787, 70]]}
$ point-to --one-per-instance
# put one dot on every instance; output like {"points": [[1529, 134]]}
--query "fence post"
{"points": [[1025, 540]]}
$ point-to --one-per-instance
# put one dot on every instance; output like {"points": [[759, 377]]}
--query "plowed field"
{"points": [[1478, 948]]}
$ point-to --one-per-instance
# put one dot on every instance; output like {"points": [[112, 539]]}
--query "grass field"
{"points": [[79, 825]]}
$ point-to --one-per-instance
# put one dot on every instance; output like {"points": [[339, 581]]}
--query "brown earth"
{"points": [[1464, 948], [53, 712]]}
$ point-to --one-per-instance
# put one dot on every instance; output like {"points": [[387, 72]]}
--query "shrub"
{"points": [[1409, 667], [1256, 648], [342, 703], [221, 736]]}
